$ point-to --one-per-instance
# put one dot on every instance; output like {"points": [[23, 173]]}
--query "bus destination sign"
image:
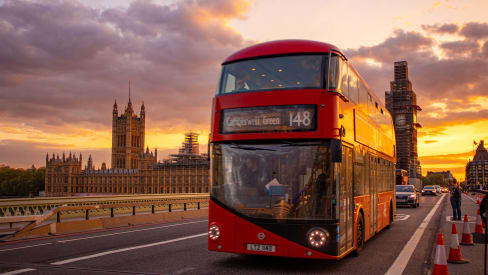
{"points": [[269, 119]]}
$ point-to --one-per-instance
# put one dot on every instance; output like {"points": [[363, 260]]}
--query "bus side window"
{"points": [[344, 88], [353, 87], [363, 97], [359, 180], [333, 72]]}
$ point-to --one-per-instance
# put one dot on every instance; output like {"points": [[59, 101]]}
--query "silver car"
{"points": [[407, 195]]}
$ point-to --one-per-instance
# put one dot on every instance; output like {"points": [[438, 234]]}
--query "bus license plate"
{"points": [[261, 247]]}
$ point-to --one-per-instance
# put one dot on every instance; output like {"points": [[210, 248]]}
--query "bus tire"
{"points": [[391, 216], [359, 236]]}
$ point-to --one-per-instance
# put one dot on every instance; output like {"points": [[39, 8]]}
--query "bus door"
{"points": [[346, 202], [372, 192]]}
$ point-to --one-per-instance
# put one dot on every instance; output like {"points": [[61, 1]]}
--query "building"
{"points": [[446, 176], [477, 169], [133, 170], [401, 101]]}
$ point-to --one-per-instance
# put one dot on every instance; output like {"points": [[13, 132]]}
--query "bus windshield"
{"points": [[283, 72], [280, 181]]}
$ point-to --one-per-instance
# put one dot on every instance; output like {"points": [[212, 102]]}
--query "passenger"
{"points": [[456, 203]]}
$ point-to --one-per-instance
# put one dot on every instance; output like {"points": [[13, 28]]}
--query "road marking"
{"points": [[470, 198], [401, 217], [471, 219], [18, 271], [127, 249], [29, 246], [126, 232], [402, 260]]}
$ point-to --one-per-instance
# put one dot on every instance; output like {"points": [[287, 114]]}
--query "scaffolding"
{"points": [[190, 145], [401, 101]]}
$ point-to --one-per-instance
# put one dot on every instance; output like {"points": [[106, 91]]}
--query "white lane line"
{"points": [[29, 246], [402, 260], [126, 249], [126, 232], [470, 198], [18, 271]]}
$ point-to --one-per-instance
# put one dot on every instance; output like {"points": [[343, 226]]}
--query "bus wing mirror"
{"points": [[336, 150]]}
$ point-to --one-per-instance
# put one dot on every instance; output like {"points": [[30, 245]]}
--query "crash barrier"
{"points": [[41, 205], [15, 227]]}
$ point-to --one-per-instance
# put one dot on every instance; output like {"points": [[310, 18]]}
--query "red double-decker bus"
{"points": [[302, 154]]}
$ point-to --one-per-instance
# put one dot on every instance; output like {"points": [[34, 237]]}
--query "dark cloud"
{"points": [[454, 48], [484, 50], [63, 62], [454, 79], [475, 30], [441, 28], [399, 46]]}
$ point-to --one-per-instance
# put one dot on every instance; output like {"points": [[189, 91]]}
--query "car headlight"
{"points": [[411, 196], [214, 232], [317, 237]]}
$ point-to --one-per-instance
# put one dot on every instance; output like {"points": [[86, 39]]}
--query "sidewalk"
{"points": [[474, 253]]}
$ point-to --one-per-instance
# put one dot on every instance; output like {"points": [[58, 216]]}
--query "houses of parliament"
{"points": [[132, 169]]}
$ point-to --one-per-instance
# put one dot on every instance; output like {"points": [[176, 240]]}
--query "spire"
{"points": [[143, 109], [116, 111], [129, 105], [47, 158], [64, 158]]}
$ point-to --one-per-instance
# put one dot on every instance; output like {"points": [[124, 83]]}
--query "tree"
{"points": [[433, 179], [21, 182]]}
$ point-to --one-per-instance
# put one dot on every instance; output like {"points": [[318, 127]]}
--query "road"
{"points": [[181, 248]]}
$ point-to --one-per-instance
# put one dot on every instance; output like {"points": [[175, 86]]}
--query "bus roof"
{"points": [[280, 47]]}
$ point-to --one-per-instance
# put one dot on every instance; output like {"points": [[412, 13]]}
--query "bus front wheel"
{"points": [[359, 236]]}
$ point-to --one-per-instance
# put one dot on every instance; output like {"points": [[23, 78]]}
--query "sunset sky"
{"points": [[63, 63]]}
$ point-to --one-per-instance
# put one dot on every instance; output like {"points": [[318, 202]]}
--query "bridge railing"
{"points": [[15, 226]]}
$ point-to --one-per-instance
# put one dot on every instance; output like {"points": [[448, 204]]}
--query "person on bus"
{"points": [[456, 203]]}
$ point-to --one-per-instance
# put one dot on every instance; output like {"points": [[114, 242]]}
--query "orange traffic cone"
{"points": [[466, 239], [479, 225], [440, 263], [455, 256]]}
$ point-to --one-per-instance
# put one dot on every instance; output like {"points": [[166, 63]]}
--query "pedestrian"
{"points": [[456, 203]]}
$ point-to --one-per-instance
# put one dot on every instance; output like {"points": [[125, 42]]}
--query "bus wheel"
{"points": [[359, 236], [391, 216]]}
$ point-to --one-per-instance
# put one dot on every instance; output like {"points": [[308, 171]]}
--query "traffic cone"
{"points": [[466, 239], [479, 225], [455, 256], [440, 263]]}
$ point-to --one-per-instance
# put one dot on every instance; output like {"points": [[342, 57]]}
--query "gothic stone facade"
{"points": [[133, 170], [477, 169]]}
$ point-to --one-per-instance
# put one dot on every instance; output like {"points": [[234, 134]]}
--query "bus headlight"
{"points": [[214, 232], [317, 237]]}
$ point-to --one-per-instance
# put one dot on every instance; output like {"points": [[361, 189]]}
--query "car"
{"points": [[407, 195], [429, 190], [444, 189], [438, 189]]}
